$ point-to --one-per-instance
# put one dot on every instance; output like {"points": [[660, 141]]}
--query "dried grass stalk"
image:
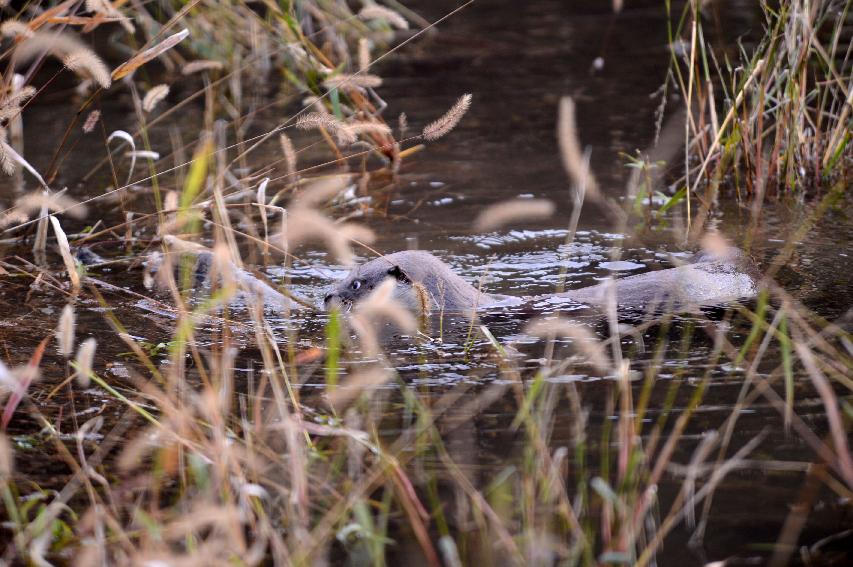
{"points": [[40, 242], [319, 191], [570, 150], [223, 266], [154, 96], [356, 233], [342, 396], [85, 358], [182, 246], [303, 225], [377, 12], [65, 251], [507, 212], [581, 337], [7, 458], [261, 195], [53, 202], [144, 57], [381, 305], [448, 122]]}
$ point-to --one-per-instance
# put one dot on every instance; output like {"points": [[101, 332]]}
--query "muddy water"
{"points": [[517, 59]]}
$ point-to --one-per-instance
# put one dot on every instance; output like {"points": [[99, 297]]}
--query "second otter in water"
{"points": [[707, 280]]}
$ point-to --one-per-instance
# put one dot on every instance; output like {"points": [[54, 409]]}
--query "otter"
{"points": [[708, 279]]}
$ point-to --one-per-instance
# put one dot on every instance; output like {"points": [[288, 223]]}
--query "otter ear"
{"points": [[397, 273]]}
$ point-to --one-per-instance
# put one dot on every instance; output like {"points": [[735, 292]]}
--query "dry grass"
{"points": [[785, 105], [197, 460]]}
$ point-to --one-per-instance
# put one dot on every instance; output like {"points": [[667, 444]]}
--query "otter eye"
{"points": [[355, 285]]}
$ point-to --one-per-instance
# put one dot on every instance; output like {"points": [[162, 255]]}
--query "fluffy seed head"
{"points": [[65, 331], [363, 54], [7, 164], [715, 244], [355, 384], [359, 128], [201, 65], [91, 121], [10, 106], [289, 155], [7, 458], [106, 8], [570, 150], [65, 251], [15, 28], [85, 357], [154, 96], [321, 190], [513, 210], [304, 224], [403, 124], [448, 122], [84, 62], [54, 202], [580, 336], [377, 12], [362, 80], [328, 122]]}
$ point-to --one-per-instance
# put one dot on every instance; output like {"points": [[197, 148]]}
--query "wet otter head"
{"points": [[423, 283], [362, 280]]}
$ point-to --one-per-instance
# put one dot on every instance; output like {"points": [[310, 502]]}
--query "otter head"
{"points": [[361, 282]]}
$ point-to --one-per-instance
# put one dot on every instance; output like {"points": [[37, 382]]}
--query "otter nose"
{"points": [[331, 300]]}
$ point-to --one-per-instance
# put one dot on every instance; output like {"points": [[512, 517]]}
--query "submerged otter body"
{"points": [[706, 280]]}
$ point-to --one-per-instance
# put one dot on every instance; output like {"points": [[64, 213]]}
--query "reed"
{"points": [[785, 103]]}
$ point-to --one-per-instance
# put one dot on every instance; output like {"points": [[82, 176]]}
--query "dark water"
{"points": [[517, 59]]}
